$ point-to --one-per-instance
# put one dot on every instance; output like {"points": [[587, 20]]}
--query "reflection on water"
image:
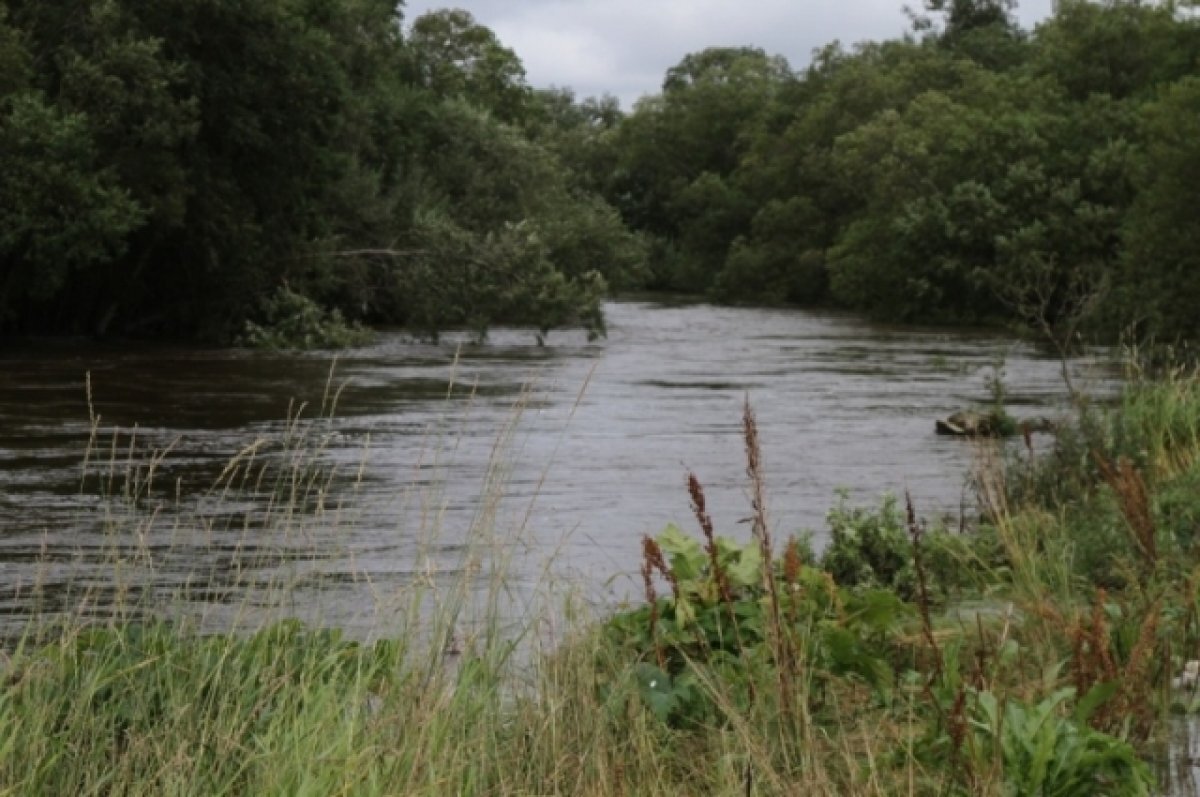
{"points": [[603, 434]]}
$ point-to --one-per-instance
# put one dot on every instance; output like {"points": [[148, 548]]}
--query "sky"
{"points": [[624, 47]]}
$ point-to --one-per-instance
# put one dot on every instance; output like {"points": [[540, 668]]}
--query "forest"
{"points": [[205, 169]]}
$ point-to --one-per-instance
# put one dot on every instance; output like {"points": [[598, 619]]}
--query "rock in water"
{"points": [[967, 424]]}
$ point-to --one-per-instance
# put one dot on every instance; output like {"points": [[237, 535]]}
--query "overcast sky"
{"points": [[624, 47]]}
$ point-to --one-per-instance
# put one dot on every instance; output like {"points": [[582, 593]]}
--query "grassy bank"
{"points": [[1031, 653]]}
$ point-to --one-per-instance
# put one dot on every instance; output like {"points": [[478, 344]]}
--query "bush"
{"points": [[731, 623], [294, 321], [874, 548]]}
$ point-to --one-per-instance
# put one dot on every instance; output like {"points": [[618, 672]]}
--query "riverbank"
{"points": [[1032, 652]]}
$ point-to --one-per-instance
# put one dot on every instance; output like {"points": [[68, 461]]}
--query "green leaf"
{"points": [[1097, 696], [687, 558], [654, 687], [747, 570]]}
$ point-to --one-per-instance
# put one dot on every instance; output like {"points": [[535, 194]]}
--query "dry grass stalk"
{"points": [[754, 469], [1091, 653], [792, 562], [957, 726], [1136, 682], [652, 559], [785, 657], [1093, 662], [915, 535], [696, 491], [1129, 487]]}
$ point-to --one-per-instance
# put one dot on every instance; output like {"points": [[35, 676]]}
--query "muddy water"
{"points": [[600, 436]]}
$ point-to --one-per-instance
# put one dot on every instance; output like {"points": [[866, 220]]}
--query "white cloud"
{"points": [[624, 47]]}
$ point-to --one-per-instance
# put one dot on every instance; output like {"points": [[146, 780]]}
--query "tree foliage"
{"points": [[969, 171], [169, 167]]}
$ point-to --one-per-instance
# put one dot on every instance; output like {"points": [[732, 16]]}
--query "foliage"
{"points": [[1159, 274], [293, 321], [874, 548], [457, 57], [718, 623], [168, 165], [971, 172], [1043, 752], [676, 155], [155, 183]]}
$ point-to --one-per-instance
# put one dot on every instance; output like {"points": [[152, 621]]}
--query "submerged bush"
{"points": [[293, 321]]}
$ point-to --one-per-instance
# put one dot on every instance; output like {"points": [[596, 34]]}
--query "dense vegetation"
{"points": [[970, 171], [182, 167], [1030, 652], [177, 168]]}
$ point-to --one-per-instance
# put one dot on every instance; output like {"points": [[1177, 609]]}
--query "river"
{"points": [[600, 435]]}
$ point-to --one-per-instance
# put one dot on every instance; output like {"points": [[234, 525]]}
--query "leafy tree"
{"points": [[677, 152], [580, 133], [1160, 279], [1116, 47], [174, 166], [457, 57], [62, 211], [14, 58]]}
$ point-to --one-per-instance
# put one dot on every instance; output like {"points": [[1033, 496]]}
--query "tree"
{"points": [[169, 167], [1120, 48], [1160, 281], [678, 151], [457, 57], [62, 211]]}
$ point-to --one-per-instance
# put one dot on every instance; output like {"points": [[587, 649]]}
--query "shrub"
{"points": [[294, 321], [874, 548]]}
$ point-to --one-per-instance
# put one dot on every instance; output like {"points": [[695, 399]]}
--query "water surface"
{"points": [[601, 435]]}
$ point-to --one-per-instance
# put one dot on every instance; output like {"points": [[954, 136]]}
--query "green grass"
{"points": [[1030, 655]]}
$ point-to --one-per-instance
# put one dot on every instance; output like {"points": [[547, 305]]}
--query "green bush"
{"points": [[729, 627], [874, 548], [293, 321], [1043, 751]]}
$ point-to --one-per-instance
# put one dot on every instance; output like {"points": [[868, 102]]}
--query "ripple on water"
{"points": [[599, 437]]}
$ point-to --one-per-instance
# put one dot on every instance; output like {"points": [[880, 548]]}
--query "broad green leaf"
{"points": [[654, 687], [747, 570], [687, 558]]}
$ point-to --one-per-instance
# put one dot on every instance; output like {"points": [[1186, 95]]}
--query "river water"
{"points": [[566, 453]]}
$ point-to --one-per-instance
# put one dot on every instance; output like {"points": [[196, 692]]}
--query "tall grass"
{"points": [[171, 659]]}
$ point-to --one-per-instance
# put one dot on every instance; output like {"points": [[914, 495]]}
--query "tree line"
{"points": [[969, 171], [183, 167], [178, 167]]}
